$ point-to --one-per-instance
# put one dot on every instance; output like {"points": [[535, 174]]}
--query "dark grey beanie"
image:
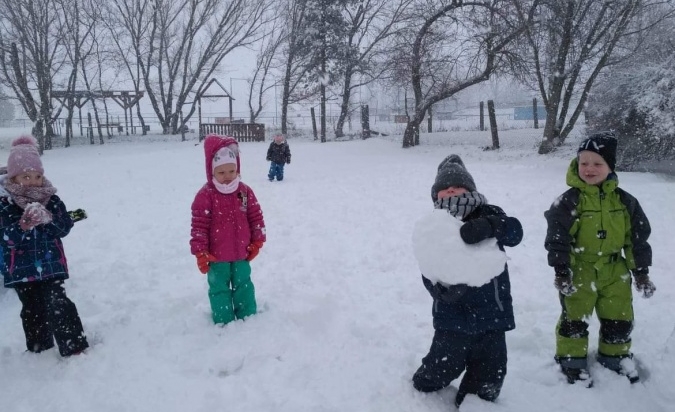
{"points": [[602, 143], [452, 172]]}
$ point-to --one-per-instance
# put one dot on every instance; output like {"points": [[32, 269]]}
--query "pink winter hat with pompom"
{"points": [[24, 157]]}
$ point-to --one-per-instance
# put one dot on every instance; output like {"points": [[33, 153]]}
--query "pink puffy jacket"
{"points": [[224, 224]]}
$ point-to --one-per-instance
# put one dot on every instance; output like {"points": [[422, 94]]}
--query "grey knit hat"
{"points": [[452, 172]]}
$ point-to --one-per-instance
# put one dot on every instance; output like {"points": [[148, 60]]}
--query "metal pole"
{"points": [[276, 105]]}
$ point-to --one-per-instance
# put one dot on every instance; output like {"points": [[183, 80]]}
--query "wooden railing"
{"points": [[242, 132]]}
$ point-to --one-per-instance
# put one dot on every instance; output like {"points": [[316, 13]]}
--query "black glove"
{"points": [[288, 161], [498, 224], [563, 281], [77, 214], [643, 284], [476, 230]]}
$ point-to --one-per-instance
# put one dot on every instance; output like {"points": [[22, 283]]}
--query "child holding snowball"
{"points": [[469, 321], [228, 231], [32, 222]]}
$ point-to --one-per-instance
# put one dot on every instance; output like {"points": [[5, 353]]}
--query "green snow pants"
{"points": [[231, 292], [605, 286]]}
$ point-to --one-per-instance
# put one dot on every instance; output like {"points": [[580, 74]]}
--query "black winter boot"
{"points": [[622, 364], [574, 375]]}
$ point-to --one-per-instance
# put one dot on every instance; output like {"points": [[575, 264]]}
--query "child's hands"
{"points": [[204, 259], [563, 281], [643, 284], [253, 250], [34, 214]]}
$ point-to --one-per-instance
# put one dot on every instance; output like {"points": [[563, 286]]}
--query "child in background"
{"points": [[469, 322], [228, 231], [589, 226], [32, 221], [279, 153]]}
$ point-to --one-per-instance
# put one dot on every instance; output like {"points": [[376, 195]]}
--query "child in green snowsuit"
{"points": [[597, 236]]}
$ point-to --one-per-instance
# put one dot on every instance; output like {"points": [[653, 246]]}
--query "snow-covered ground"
{"points": [[345, 319]]}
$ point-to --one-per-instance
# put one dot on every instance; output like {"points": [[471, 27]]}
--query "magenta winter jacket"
{"points": [[224, 224]]}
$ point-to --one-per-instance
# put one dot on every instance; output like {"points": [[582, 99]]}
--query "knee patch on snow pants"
{"points": [[573, 328], [615, 331]]}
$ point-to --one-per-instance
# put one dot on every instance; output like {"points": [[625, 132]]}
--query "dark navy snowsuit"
{"points": [[470, 322], [279, 154]]}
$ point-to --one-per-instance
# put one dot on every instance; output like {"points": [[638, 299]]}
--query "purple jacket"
{"points": [[224, 224]]}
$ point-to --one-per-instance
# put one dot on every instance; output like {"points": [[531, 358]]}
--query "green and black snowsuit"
{"points": [[600, 233]]}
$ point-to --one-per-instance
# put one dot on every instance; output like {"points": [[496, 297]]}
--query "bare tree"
{"points": [[470, 46], [573, 42], [259, 83], [77, 18], [94, 74], [371, 24], [184, 43], [31, 54], [293, 69], [6, 109], [127, 33]]}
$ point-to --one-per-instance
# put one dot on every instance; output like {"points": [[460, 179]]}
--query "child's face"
{"points": [[29, 179], [451, 191], [592, 168], [225, 173]]}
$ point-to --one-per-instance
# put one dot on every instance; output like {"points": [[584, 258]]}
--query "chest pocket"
{"points": [[601, 226]]}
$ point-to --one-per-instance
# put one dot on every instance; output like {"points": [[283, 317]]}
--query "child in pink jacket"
{"points": [[228, 231]]}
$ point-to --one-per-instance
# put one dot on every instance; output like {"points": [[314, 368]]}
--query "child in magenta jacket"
{"points": [[228, 231]]}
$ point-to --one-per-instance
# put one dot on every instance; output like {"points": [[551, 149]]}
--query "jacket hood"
{"points": [[213, 143], [574, 180]]}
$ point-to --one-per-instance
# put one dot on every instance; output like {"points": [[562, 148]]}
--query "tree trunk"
{"points": [[285, 94], [551, 131], [344, 106], [412, 132]]}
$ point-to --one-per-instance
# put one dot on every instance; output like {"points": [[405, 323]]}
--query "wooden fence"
{"points": [[242, 132]]}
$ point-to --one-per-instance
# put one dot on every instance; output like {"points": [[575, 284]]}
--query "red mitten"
{"points": [[204, 259], [253, 250]]}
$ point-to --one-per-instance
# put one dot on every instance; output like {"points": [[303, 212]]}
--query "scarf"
{"points": [[227, 188], [23, 195], [461, 206]]}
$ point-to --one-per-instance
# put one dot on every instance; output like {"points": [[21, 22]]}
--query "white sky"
{"points": [[345, 319]]}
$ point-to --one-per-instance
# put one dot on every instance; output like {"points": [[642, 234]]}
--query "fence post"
{"points": [[482, 120], [493, 124], [365, 122], [535, 114]]}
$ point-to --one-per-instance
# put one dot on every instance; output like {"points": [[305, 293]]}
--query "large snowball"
{"points": [[443, 256]]}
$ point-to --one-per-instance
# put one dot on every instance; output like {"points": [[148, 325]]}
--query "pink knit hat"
{"points": [[223, 156], [23, 157]]}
